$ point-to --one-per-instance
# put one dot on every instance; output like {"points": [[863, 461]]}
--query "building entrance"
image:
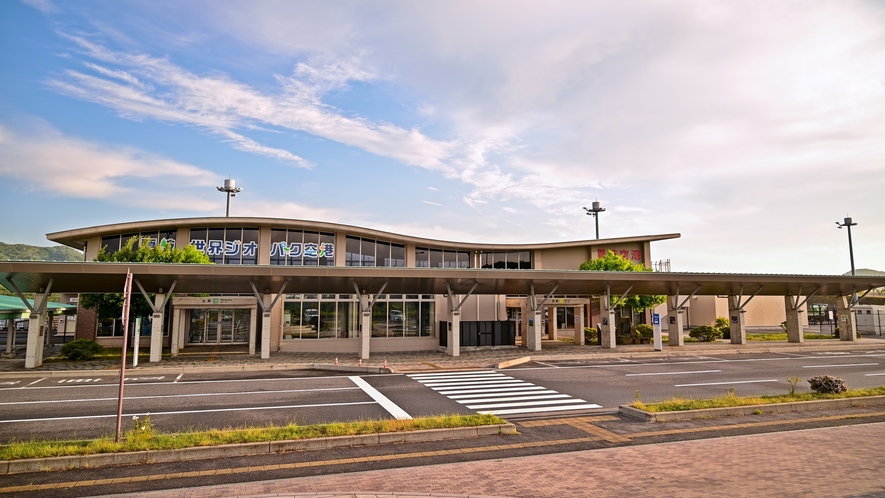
{"points": [[219, 326]]}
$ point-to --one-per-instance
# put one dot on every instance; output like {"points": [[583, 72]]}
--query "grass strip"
{"points": [[782, 336], [144, 437], [678, 403]]}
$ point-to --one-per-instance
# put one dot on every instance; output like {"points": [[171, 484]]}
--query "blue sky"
{"points": [[748, 128]]}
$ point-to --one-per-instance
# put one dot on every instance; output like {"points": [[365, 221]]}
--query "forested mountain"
{"points": [[24, 252]]}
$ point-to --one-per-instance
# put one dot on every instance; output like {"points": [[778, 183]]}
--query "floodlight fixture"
{"points": [[594, 212], [848, 223], [230, 187]]}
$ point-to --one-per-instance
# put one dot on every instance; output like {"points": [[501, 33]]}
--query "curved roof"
{"points": [[77, 237]]}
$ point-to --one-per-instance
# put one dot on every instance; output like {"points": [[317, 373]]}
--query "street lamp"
{"points": [[594, 212], [232, 191], [847, 223]]}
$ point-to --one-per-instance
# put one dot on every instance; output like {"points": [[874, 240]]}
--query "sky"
{"points": [[748, 127]]}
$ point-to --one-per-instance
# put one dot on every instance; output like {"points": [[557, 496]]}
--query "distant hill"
{"points": [[24, 252], [866, 272]]}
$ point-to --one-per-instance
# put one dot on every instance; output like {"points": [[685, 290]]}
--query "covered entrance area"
{"points": [[213, 321]]}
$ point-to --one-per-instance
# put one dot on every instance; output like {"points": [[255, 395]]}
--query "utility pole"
{"points": [[594, 212], [847, 223]]}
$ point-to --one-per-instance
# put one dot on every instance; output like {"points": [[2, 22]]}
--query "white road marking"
{"points": [[518, 398], [443, 385], [529, 387], [170, 396], [127, 379], [726, 383], [674, 373], [178, 378], [9, 383], [873, 375], [36, 381], [540, 409], [546, 364], [843, 365], [430, 375], [530, 403], [391, 407], [499, 392], [188, 412]]}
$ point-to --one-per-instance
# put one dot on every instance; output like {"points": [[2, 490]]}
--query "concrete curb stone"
{"points": [[246, 449], [736, 411]]}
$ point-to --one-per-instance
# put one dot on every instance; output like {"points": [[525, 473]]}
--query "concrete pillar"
{"points": [[157, 328], [253, 329], [794, 321], [177, 333], [552, 324], [365, 326], [34, 351], [607, 339], [453, 339], [579, 325], [265, 327], [10, 338], [845, 319], [677, 321], [738, 327], [534, 330]]}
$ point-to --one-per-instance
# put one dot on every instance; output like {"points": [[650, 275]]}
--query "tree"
{"points": [[111, 305], [614, 262]]}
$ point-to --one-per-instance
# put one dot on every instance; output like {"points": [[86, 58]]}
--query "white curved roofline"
{"points": [[76, 237]]}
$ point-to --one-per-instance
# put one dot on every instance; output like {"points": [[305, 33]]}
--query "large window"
{"points": [[510, 260], [331, 316], [300, 248], [113, 243], [228, 246], [368, 252], [441, 258]]}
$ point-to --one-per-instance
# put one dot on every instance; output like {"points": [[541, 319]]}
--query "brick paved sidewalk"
{"points": [[834, 462]]}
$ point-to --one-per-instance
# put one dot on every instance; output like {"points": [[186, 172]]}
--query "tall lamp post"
{"points": [[232, 190], [847, 223], [594, 212]]}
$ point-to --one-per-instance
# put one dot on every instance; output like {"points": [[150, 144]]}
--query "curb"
{"points": [[348, 368], [246, 449], [737, 411]]}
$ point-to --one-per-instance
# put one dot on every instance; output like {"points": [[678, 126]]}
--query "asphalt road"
{"points": [[77, 406]]}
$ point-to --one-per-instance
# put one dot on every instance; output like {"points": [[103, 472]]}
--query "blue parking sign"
{"points": [[655, 319]]}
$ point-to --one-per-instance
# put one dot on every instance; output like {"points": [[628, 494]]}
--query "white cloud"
{"points": [[70, 167]]}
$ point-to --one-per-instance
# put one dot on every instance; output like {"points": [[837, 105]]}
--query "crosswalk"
{"points": [[499, 394]]}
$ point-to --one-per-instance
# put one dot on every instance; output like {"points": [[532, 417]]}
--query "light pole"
{"points": [[847, 223], [232, 191], [594, 212]]}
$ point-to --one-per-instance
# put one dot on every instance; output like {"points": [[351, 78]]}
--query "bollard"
{"points": [[385, 363], [361, 362], [336, 361]]}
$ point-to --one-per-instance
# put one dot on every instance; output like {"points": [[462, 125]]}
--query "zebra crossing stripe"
{"points": [[538, 409], [517, 398]]}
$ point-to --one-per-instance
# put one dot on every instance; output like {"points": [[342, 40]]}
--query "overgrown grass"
{"points": [[782, 336], [678, 403], [138, 439]]}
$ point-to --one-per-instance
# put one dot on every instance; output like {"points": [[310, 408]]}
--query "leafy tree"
{"points": [[615, 262], [111, 305]]}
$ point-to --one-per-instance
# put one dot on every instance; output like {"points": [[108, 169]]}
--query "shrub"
{"points": [[705, 333], [591, 336], [723, 325], [81, 349], [827, 384], [645, 330]]}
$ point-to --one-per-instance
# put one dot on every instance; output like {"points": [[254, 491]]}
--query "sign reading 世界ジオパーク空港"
{"points": [[292, 250]]}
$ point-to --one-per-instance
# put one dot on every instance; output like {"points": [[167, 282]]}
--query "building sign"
{"points": [[633, 255], [308, 250], [225, 247], [152, 242]]}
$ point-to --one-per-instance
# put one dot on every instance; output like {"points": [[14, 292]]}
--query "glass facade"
{"points": [[301, 248], [227, 245], [113, 243], [377, 253], [509, 260], [331, 316], [441, 258]]}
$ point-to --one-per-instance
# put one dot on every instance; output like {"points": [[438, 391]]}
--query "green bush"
{"points": [[827, 384], [705, 333], [645, 330], [591, 336], [723, 325], [81, 349]]}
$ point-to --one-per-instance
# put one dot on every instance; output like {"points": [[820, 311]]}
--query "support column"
{"points": [[607, 338], [453, 338], [159, 317], [552, 324], [738, 327], [36, 329], [677, 319], [176, 333], [794, 322], [534, 330], [10, 338], [265, 327], [845, 319], [365, 326], [253, 328], [579, 325]]}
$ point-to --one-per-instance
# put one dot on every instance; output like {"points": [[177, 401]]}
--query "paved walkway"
{"points": [[834, 462], [423, 361]]}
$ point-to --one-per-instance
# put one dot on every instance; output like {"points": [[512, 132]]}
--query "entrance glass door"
{"points": [[219, 326]]}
